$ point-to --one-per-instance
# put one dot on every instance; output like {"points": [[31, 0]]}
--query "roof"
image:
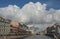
{"points": [[14, 23]]}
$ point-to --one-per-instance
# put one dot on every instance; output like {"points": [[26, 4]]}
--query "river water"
{"points": [[38, 37]]}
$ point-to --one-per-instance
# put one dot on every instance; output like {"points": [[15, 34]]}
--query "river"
{"points": [[38, 37]]}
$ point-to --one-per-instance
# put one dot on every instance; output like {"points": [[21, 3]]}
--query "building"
{"points": [[12, 28]]}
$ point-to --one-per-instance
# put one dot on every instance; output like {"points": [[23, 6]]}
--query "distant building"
{"points": [[4, 27]]}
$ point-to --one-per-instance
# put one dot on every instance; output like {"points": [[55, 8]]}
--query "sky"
{"points": [[40, 13], [50, 3]]}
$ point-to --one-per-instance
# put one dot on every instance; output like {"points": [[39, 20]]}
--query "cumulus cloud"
{"points": [[10, 11], [57, 15], [34, 12], [31, 13]]}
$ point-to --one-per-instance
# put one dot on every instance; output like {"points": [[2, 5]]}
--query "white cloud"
{"points": [[10, 11], [34, 11], [30, 13], [48, 18], [57, 15]]}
